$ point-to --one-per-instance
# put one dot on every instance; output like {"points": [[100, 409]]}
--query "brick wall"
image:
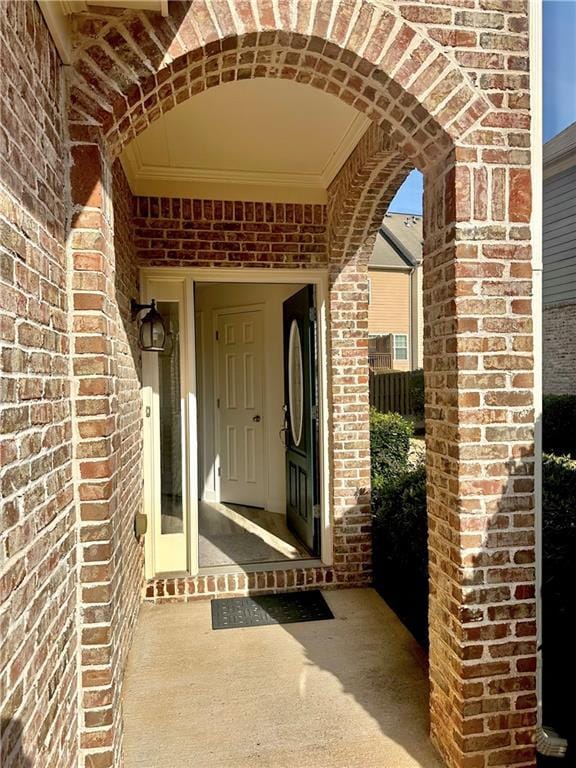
{"points": [[176, 232], [126, 551], [478, 367], [38, 576], [559, 349], [196, 233], [107, 410], [447, 83]]}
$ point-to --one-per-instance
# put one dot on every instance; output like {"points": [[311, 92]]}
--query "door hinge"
{"points": [[312, 314], [147, 412], [315, 412], [219, 471], [217, 335], [316, 511], [217, 402]]}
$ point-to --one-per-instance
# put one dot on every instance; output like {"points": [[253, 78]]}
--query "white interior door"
{"points": [[239, 406]]}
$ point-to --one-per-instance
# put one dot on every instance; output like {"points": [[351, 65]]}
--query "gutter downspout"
{"points": [[535, 42], [547, 741]]}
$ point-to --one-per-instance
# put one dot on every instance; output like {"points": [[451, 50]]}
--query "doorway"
{"points": [[240, 459], [258, 484]]}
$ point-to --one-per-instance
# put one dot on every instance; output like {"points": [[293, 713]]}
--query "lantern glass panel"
{"points": [[152, 331]]}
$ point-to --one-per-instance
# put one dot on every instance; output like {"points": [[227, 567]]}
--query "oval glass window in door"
{"points": [[295, 383]]}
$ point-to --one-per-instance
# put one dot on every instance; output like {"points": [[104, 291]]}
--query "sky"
{"points": [[558, 85]]}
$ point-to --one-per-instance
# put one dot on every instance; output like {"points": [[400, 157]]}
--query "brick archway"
{"points": [[127, 73], [372, 58]]}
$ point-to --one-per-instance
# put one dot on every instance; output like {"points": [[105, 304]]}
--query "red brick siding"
{"points": [[126, 551], [479, 436], [187, 589], [357, 200], [559, 349], [283, 236], [176, 232], [38, 575], [447, 83], [108, 449]]}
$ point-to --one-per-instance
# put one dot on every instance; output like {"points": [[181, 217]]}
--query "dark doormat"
{"points": [[285, 608]]}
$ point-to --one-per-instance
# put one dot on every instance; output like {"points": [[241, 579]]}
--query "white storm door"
{"points": [[239, 406]]}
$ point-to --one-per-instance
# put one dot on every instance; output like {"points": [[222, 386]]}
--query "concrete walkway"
{"points": [[349, 693]]}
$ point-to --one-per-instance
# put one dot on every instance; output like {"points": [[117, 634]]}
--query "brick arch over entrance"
{"points": [[358, 198], [133, 70], [471, 138]]}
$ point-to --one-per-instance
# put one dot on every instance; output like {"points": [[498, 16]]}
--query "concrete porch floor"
{"points": [[349, 693]]}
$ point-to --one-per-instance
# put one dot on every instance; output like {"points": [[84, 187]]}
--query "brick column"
{"points": [[349, 425], [95, 423], [358, 199], [479, 432]]}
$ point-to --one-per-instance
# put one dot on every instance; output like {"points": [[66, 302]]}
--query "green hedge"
{"points": [[390, 436], [401, 566], [400, 548], [558, 589], [559, 425]]}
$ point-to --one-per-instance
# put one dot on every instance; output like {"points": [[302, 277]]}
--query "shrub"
{"points": [[400, 534], [390, 436], [416, 387], [559, 425], [558, 579]]}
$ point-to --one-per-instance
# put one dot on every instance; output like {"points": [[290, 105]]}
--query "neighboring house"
{"points": [[232, 161], [559, 264], [395, 319]]}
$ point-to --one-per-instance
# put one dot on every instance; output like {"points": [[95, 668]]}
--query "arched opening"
{"points": [[423, 111]]}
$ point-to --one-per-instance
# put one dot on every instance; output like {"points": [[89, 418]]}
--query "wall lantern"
{"points": [[152, 336]]}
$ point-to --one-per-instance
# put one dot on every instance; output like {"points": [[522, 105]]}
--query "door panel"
{"points": [[240, 360], [300, 394]]}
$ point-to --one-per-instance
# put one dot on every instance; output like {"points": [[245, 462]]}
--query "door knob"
{"points": [[256, 419]]}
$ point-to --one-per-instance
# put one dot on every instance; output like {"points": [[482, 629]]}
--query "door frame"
{"points": [[186, 279], [216, 314], [170, 290]]}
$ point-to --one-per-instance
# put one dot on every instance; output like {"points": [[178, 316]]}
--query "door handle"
{"points": [[256, 418]]}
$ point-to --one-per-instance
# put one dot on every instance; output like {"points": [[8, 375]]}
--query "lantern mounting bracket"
{"points": [[136, 308]]}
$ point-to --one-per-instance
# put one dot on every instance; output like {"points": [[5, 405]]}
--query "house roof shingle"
{"points": [[399, 242]]}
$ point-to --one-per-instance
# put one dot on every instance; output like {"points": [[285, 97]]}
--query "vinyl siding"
{"points": [[389, 310], [559, 248]]}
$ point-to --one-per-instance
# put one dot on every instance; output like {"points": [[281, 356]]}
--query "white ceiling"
{"points": [[259, 139]]}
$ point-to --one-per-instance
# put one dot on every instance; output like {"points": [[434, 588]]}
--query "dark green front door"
{"points": [[302, 486]]}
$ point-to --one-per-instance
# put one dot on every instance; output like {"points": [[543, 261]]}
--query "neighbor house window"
{"points": [[400, 346]]}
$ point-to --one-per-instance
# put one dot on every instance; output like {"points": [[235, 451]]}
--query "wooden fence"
{"points": [[390, 392]]}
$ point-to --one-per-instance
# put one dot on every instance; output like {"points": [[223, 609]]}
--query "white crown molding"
{"points": [[165, 173], [139, 172], [347, 145], [142, 176]]}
